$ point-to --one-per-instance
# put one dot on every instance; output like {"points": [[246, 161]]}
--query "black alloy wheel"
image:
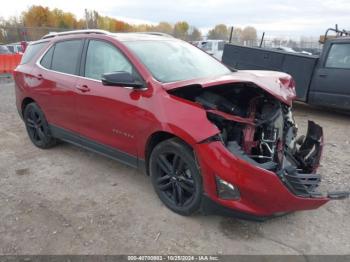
{"points": [[37, 127], [175, 176]]}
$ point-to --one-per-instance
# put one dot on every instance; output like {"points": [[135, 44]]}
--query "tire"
{"points": [[176, 177], [37, 127]]}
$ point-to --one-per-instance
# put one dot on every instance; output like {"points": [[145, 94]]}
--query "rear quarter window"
{"points": [[47, 58], [31, 51]]}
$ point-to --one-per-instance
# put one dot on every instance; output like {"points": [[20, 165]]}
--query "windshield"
{"points": [[174, 60]]}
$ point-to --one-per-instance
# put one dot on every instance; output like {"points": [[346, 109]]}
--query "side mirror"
{"points": [[120, 78]]}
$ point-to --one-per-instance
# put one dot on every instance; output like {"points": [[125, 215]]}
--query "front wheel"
{"points": [[37, 127], [176, 177]]}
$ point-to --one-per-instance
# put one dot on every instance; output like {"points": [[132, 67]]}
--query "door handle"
{"points": [[39, 77], [323, 75], [83, 88]]}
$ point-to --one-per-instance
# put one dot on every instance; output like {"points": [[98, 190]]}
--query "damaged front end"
{"points": [[260, 129]]}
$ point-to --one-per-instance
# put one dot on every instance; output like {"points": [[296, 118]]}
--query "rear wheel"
{"points": [[175, 176], [37, 127]]}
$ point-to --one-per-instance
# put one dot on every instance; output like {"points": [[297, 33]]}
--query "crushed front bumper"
{"points": [[307, 158], [264, 193]]}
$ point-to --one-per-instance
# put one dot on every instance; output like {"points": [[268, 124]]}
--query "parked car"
{"points": [[15, 48], [210, 138], [320, 80], [4, 50]]}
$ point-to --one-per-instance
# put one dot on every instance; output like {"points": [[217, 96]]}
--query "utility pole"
{"points": [[231, 33], [262, 39]]}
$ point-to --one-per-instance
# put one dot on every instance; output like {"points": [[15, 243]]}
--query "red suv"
{"points": [[210, 137]]}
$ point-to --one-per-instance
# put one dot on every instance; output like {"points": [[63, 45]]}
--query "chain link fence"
{"points": [[311, 46], [17, 34]]}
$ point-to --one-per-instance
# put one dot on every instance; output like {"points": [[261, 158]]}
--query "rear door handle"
{"points": [[323, 75], [39, 77], [83, 88]]}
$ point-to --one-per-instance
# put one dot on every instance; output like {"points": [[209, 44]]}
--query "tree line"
{"points": [[38, 20]]}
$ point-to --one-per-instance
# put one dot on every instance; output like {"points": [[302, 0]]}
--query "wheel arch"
{"points": [[26, 101], [156, 138]]}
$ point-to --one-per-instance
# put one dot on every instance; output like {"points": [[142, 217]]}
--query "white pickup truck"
{"points": [[212, 47]]}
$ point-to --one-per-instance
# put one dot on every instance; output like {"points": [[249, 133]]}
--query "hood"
{"points": [[278, 84]]}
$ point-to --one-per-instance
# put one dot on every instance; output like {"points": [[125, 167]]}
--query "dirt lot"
{"points": [[69, 201]]}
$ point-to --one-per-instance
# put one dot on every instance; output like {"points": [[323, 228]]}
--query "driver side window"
{"points": [[103, 58], [339, 56]]}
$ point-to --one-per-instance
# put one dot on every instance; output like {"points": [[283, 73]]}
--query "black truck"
{"points": [[322, 80]]}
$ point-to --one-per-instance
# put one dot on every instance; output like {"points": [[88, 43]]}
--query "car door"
{"points": [[331, 80], [107, 115], [57, 78]]}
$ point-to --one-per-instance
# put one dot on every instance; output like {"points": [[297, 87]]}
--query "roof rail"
{"points": [[74, 32], [154, 33]]}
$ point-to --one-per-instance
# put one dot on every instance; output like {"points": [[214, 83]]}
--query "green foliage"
{"points": [[195, 35], [181, 29], [249, 34], [219, 32]]}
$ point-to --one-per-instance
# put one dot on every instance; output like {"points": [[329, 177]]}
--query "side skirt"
{"points": [[101, 149]]}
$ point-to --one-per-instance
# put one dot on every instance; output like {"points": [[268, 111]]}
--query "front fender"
{"points": [[181, 118]]}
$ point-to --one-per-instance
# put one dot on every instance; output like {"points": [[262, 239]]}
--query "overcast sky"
{"points": [[277, 18]]}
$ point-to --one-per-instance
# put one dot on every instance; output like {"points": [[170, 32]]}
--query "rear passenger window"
{"points": [[66, 56], [47, 58], [31, 51]]}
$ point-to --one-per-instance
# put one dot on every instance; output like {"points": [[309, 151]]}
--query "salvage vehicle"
{"points": [[4, 50], [320, 80], [211, 138], [15, 48]]}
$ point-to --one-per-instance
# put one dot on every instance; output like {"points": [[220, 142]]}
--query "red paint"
{"points": [[270, 81], [125, 119], [248, 121], [249, 130], [262, 192]]}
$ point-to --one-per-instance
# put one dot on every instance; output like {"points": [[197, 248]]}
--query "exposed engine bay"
{"points": [[257, 127]]}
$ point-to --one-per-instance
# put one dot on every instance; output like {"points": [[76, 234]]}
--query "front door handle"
{"points": [[83, 88], [323, 75]]}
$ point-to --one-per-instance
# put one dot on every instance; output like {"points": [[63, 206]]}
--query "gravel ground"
{"points": [[70, 201]]}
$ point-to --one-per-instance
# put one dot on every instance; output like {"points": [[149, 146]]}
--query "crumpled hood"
{"points": [[275, 83]]}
